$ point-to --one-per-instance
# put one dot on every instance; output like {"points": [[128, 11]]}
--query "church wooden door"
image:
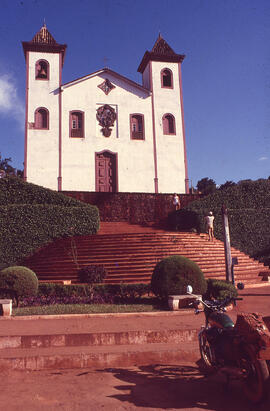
{"points": [[106, 172]]}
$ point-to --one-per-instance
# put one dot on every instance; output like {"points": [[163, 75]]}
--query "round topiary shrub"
{"points": [[20, 279], [172, 275]]}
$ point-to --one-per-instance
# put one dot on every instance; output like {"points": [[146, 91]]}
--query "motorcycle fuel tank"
{"points": [[220, 320]]}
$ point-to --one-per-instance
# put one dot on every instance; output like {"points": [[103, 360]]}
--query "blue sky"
{"points": [[226, 73]]}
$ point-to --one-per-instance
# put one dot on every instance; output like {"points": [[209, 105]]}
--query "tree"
{"points": [[206, 186], [227, 184], [7, 169]]}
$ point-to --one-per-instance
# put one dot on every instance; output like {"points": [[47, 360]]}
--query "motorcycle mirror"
{"points": [[240, 286], [189, 289]]}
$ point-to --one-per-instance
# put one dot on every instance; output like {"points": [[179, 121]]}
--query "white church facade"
{"points": [[103, 132]]}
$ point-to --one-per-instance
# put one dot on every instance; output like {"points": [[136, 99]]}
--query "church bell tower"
{"points": [[44, 61]]}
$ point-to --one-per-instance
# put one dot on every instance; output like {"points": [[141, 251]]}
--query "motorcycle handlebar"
{"points": [[220, 304]]}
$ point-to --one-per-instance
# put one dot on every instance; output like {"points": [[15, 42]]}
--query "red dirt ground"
{"points": [[154, 387]]}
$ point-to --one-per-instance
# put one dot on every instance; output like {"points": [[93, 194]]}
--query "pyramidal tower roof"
{"points": [[43, 36], [161, 47], [161, 51], [43, 41]]}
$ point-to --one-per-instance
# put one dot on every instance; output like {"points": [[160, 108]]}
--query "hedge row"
{"points": [[25, 228], [14, 190], [136, 208], [82, 290], [248, 205]]}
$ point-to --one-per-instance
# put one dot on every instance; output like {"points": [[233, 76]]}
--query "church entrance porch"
{"points": [[106, 172]]}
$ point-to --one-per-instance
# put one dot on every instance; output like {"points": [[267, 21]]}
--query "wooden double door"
{"points": [[106, 172]]}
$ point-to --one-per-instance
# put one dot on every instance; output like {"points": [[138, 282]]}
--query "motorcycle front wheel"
{"points": [[256, 379], [206, 353]]}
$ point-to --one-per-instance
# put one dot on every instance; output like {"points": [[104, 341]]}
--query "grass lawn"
{"points": [[56, 309]]}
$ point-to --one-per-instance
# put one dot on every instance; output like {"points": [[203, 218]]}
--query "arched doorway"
{"points": [[106, 172]]}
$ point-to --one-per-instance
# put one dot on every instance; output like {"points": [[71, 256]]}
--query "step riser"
{"points": [[98, 339], [97, 360], [132, 257]]}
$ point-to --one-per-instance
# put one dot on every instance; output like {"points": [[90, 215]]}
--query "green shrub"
{"points": [[172, 275], [219, 289], [63, 290], [20, 279], [248, 212], [92, 274], [184, 220], [24, 228], [124, 291]]}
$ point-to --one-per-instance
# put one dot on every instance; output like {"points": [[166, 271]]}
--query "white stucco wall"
{"points": [[170, 148], [42, 145], [135, 157]]}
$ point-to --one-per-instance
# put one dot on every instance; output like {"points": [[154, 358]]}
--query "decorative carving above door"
{"points": [[106, 117]]}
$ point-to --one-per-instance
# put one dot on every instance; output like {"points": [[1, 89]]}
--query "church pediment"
{"points": [[109, 80]]}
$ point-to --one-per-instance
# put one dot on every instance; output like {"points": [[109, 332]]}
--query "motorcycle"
{"points": [[224, 348]]}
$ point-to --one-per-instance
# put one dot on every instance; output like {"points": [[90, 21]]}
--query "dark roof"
{"points": [[44, 41], [161, 51]]}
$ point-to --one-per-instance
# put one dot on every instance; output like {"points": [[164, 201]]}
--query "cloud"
{"points": [[263, 158], [10, 103]]}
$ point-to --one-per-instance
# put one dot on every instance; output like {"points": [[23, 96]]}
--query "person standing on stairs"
{"points": [[176, 201], [210, 225]]}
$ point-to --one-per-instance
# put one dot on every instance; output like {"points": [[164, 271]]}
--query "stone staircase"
{"points": [[130, 253]]}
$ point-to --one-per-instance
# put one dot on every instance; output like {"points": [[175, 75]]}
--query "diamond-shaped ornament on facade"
{"points": [[106, 86]]}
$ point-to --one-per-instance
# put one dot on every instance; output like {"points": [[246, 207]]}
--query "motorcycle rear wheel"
{"points": [[255, 382], [205, 351]]}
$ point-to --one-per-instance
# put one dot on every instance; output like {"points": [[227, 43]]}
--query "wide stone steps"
{"points": [[132, 256]]}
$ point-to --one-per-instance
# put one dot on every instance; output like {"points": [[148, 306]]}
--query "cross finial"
{"points": [[106, 62]]}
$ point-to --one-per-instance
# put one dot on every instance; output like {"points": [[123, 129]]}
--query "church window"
{"points": [[166, 78], [42, 118], [76, 124], [42, 70], [137, 126], [168, 122]]}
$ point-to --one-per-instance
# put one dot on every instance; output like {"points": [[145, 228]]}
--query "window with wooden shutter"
{"points": [[76, 124], [168, 122], [137, 126], [42, 118]]}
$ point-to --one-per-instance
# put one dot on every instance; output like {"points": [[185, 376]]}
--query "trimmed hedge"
{"points": [[137, 208], [124, 291], [184, 220], [20, 279], [173, 274], [219, 289], [24, 228], [14, 190], [248, 205], [32, 216]]}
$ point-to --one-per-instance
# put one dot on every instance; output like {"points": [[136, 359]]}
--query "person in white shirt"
{"points": [[176, 201], [210, 225]]}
